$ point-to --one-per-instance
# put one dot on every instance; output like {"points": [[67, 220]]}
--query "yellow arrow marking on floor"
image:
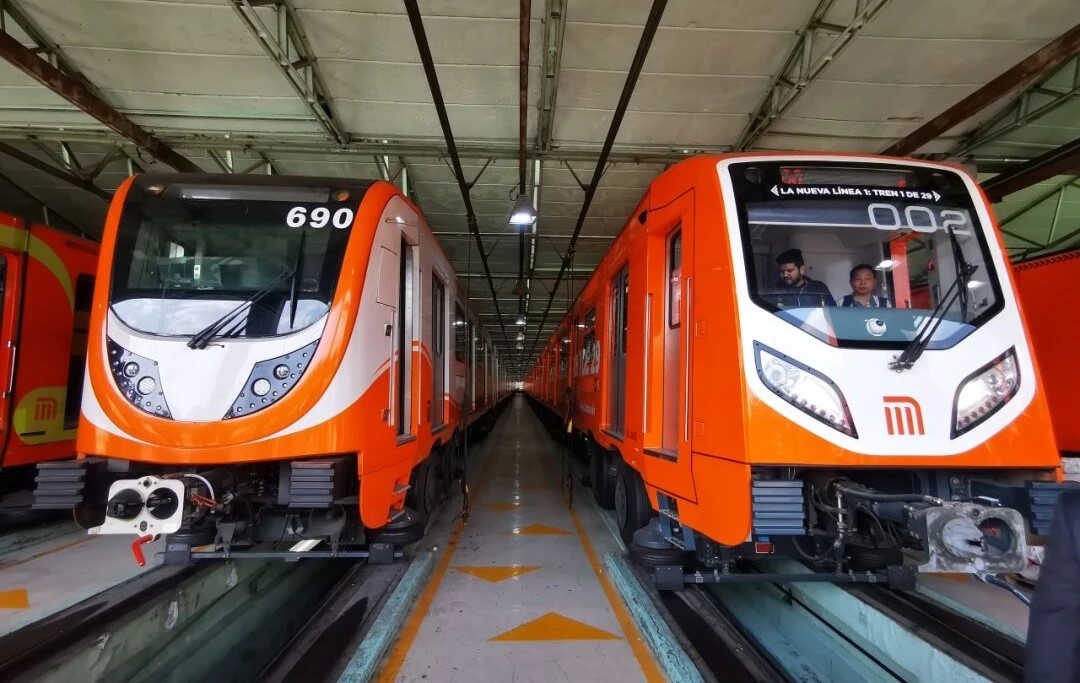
{"points": [[501, 507], [539, 530], [554, 626], [497, 574], [16, 599]]}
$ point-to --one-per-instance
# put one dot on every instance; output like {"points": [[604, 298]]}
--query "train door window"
{"points": [[438, 350], [84, 298], [589, 358], [618, 327], [461, 336], [471, 377], [405, 339], [674, 275], [670, 437], [564, 365]]}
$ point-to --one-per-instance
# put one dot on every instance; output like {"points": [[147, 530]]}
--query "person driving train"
{"points": [[863, 281], [796, 289]]}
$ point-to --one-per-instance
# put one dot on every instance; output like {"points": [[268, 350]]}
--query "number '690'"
{"points": [[319, 217]]}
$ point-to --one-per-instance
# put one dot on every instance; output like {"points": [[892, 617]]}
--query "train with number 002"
{"points": [[808, 356]]}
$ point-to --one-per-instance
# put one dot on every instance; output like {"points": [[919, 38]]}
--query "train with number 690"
{"points": [[277, 365], [808, 356]]}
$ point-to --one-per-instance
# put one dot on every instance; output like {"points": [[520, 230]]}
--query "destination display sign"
{"points": [[836, 191]]}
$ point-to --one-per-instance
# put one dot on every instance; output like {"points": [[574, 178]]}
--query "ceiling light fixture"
{"points": [[523, 213]]}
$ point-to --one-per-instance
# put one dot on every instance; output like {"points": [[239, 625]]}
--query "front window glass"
{"points": [[862, 255], [190, 254]]}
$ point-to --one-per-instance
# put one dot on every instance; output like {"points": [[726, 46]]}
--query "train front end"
{"points": [[219, 410], [893, 412]]}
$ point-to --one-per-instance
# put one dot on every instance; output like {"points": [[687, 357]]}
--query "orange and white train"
{"points": [[47, 281], [1041, 284], [730, 414], [273, 360]]}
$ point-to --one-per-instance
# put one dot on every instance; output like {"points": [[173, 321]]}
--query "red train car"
{"points": [[1040, 284], [48, 279], [815, 356]]}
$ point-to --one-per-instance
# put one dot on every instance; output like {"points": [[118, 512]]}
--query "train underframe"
{"points": [[307, 507], [853, 525]]}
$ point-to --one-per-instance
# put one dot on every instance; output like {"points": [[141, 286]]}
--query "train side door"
{"points": [[618, 302], [405, 335], [10, 270], [438, 352], [667, 410]]}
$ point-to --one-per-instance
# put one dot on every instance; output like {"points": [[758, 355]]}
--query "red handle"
{"points": [[136, 549]]}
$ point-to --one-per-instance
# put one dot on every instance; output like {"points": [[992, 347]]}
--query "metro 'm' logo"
{"points": [[45, 409], [903, 416]]}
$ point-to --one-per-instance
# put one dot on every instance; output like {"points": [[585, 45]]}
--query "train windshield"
{"points": [[188, 254], [862, 255]]}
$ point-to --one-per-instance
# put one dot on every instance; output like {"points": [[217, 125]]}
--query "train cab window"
{"points": [[675, 279], [84, 299], [825, 241], [188, 255]]}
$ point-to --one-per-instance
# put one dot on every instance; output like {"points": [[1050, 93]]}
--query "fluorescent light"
{"points": [[520, 321], [523, 212], [887, 264], [974, 284]]}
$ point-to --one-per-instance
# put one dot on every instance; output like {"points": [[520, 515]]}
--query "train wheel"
{"points": [[603, 483], [425, 487], [632, 509]]}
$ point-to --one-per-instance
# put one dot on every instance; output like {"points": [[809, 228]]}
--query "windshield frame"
{"points": [[744, 191], [237, 190]]}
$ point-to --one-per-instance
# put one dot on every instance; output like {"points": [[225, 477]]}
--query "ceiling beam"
{"points": [[1063, 160], [58, 173], [422, 46], [1043, 61], [78, 94], [804, 63], [416, 147], [551, 64], [287, 47], [644, 43], [1034, 102], [1058, 189]]}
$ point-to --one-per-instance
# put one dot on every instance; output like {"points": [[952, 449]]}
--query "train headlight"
{"points": [[138, 380], [805, 388], [146, 386], [271, 379], [985, 391]]}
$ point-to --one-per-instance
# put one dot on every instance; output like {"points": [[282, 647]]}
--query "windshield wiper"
{"points": [[201, 338], [295, 287], [958, 289]]}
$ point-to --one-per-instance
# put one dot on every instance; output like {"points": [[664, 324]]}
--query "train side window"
{"points": [[84, 298], [461, 336], [675, 279]]}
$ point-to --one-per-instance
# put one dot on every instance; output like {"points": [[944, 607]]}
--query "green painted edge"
{"points": [[364, 663], [669, 653]]}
